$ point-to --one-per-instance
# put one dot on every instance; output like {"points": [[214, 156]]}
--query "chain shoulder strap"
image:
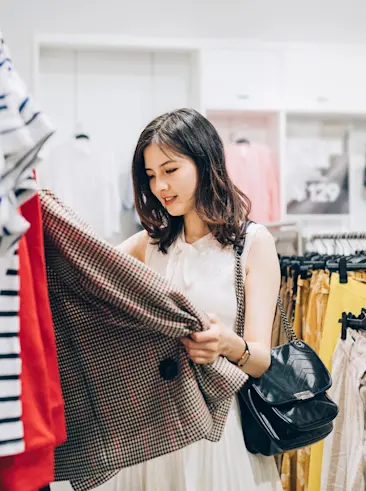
{"points": [[240, 296]]}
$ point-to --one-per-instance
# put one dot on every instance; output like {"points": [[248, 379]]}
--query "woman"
{"points": [[193, 215]]}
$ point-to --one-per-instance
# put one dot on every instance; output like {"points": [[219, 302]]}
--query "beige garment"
{"points": [[301, 307], [343, 464], [318, 300], [291, 299], [363, 398], [277, 327]]}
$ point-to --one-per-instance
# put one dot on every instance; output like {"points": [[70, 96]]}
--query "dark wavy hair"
{"points": [[219, 203]]}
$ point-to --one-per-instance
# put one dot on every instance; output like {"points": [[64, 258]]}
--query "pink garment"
{"points": [[253, 170]]}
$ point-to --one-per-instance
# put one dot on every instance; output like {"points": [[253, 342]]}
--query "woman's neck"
{"points": [[194, 228]]}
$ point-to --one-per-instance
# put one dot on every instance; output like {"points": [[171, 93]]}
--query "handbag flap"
{"points": [[296, 373]]}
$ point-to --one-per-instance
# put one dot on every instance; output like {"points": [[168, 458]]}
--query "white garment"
{"points": [[205, 273], [85, 177], [343, 465], [23, 131]]}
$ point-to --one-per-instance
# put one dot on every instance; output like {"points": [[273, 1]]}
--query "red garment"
{"points": [[32, 212], [253, 170], [43, 415]]}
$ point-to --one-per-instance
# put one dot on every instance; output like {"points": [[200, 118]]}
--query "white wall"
{"points": [[280, 20]]}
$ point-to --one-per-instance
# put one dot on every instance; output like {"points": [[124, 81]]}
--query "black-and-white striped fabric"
{"points": [[23, 132], [11, 428]]}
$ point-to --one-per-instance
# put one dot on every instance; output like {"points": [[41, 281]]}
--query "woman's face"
{"points": [[173, 179]]}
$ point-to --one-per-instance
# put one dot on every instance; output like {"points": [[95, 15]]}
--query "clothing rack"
{"points": [[337, 239], [338, 236]]}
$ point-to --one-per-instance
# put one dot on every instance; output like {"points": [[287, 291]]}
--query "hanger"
{"points": [[82, 135], [343, 266], [79, 131], [242, 140], [238, 135], [352, 322], [361, 237]]}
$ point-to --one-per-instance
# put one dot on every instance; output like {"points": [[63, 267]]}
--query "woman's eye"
{"points": [[150, 177], [170, 171]]}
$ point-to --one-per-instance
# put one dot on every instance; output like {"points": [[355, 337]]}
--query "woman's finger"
{"points": [[211, 346], [208, 356], [202, 358], [210, 335], [200, 361]]}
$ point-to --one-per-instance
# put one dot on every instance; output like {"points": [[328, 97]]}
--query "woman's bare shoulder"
{"points": [[135, 245]]}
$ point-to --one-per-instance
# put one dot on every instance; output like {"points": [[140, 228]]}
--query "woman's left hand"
{"points": [[205, 346]]}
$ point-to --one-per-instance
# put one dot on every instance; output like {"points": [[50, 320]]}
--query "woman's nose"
{"points": [[161, 185]]}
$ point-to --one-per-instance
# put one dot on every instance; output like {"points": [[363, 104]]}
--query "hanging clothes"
{"points": [[301, 307], [308, 310], [317, 307], [23, 131], [315, 299], [348, 297], [11, 426], [278, 334], [344, 462], [294, 464], [85, 176], [42, 405], [253, 170], [314, 304], [35, 245], [118, 325]]}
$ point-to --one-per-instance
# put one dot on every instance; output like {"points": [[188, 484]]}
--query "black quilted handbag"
{"points": [[287, 407]]}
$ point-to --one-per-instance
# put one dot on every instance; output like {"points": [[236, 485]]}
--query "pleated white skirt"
{"points": [[203, 466]]}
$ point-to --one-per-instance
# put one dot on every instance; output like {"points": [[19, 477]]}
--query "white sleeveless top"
{"points": [[203, 271]]}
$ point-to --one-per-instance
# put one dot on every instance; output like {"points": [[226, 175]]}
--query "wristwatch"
{"points": [[245, 357]]}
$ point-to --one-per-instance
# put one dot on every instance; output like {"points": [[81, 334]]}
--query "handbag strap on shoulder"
{"points": [[240, 293]]}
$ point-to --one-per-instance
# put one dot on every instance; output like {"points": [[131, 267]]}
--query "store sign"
{"points": [[317, 178]]}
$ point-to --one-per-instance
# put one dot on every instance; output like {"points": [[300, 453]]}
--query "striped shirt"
{"points": [[23, 131], [11, 427]]}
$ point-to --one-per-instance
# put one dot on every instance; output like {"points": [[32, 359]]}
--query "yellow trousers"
{"points": [[347, 297]]}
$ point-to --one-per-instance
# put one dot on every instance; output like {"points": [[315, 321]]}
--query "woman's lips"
{"points": [[169, 201]]}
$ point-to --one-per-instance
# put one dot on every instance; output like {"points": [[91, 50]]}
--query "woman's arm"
{"points": [[261, 292], [135, 245]]}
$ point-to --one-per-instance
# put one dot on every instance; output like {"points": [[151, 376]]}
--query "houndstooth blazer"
{"points": [[131, 393]]}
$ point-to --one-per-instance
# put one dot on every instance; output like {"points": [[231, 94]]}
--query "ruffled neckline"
{"points": [[199, 244]]}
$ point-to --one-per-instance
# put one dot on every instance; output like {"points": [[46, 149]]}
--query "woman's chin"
{"points": [[175, 211]]}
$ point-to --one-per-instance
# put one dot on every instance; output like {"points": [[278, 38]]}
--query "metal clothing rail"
{"points": [[282, 223], [338, 236]]}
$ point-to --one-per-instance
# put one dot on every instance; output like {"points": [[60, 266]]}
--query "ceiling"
{"points": [[281, 20]]}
